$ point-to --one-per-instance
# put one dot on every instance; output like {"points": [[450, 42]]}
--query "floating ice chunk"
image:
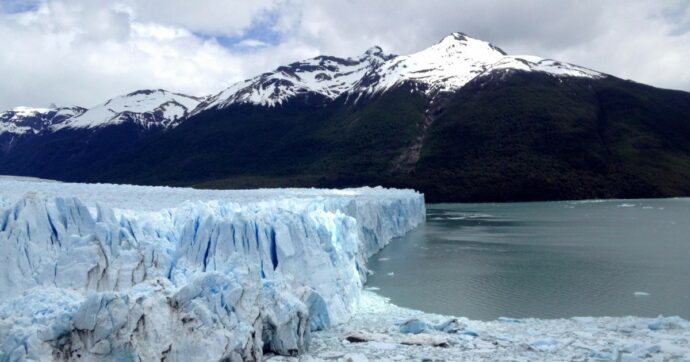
{"points": [[470, 333], [668, 323], [355, 357], [653, 349], [452, 325], [548, 344], [605, 355], [413, 326]]}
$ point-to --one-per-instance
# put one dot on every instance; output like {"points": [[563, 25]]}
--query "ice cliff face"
{"points": [[124, 272]]}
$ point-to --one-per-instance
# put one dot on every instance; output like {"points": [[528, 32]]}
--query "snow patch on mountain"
{"points": [[531, 63], [444, 67], [148, 108], [28, 120], [456, 60], [324, 75]]}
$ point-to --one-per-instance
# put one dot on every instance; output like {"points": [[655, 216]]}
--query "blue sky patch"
{"points": [[260, 34], [18, 6]]}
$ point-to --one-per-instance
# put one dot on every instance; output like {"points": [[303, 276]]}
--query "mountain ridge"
{"points": [[459, 121], [436, 69]]}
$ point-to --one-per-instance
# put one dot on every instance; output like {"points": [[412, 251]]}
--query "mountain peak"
{"points": [[457, 39], [30, 120], [375, 54], [375, 50], [461, 43], [146, 107], [453, 37], [21, 110], [443, 67], [145, 92]]}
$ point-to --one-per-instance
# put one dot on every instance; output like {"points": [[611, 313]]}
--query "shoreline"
{"points": [[578, 338]]}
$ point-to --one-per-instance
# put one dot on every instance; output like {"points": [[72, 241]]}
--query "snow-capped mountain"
{"points": [[324, 75], [444, 67], [148, 108], [453, 62], [26, 120], [460, 120]]}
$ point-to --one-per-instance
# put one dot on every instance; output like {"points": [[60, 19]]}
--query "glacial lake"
{"points": [[543, 260]]}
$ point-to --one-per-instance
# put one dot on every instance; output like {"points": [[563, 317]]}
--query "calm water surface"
{"points": [[543, 259]]}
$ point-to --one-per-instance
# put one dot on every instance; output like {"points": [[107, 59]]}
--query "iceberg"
{"points": [[117, 272]]}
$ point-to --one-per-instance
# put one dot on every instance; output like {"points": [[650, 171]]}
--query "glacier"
{"points": [[96, 271]]}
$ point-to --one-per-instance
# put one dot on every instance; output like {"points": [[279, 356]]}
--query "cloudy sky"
{"points": [[85, 51]]}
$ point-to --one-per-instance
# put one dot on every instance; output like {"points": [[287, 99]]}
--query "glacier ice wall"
{"points": [[122, 272]]}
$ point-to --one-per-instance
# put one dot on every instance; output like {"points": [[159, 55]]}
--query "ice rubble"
{"points": [[120, 272], [381, 331]]}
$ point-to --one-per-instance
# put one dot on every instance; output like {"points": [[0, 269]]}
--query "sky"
{"points": [[83, 52]]}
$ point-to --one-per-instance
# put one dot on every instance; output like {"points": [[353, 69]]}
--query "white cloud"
{"points": [[86, 51], [79, 53], [217, 17], [252, 43]]}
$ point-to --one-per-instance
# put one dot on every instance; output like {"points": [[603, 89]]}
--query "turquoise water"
{"points": [[543, 260]]}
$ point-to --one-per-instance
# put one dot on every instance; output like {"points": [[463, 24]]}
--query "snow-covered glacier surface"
{"points": [[93, 272]]}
